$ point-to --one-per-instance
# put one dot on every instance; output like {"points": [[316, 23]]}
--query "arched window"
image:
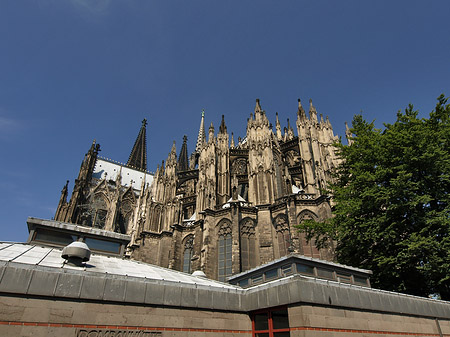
{"points": [[224, 251], [248, 244], [155, 218], [278, 176], [125, 212], [309, 248], [283, 235], [95, 211], [187, 257]]}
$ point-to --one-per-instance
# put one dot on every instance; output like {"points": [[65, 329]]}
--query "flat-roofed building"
{"points": [[47, 290]]}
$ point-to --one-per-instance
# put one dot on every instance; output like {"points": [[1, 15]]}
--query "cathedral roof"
{"points": [[138, 156], [50, 257], [183, 162], [201, 139]]}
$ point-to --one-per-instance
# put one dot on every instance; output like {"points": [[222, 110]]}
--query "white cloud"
{"points": [[92, 6], [8, 126], [7, 123]]}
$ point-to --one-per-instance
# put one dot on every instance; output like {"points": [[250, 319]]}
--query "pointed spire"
{"points": [[64, 191], [201, 139], [321, 119], [290, 130], [278, 127], [223, 127], [300, 111], [257, 107], [138, 156], [172, 158], [183, 163], [211, 133], [312, 111], [88, 164], [232, 140]]}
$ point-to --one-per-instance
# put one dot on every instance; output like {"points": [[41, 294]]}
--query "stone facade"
{"points": [[227, 207], [45, 317]]}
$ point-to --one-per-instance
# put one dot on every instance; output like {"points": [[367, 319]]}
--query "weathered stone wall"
{"points": [[155, 249], [55, 318], [318, 321], [38, 317]]}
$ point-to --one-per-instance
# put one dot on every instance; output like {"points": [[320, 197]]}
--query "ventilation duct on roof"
{"points": [[199, 273], [77, 252]]}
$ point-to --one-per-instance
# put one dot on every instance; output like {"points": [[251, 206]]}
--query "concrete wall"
{"points": [[36, 317], [46, 301], [317, 321], [39, 317]]}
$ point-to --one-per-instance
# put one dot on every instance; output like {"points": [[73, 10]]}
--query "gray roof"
{"points": [[302, 258], [32, 222], [51, 257], [33, 270]]}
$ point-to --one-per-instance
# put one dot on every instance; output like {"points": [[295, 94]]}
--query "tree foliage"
{"points": [[392, 202]]}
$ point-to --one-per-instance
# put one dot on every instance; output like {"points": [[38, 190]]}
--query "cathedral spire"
{"points": [[172, 158], [312, 112], [223, 127], [300, 111], [201, 139], [211, 133], [290, 130], [278, 128], [183, 164], [138, 156], [257, 107], [322, 122]]}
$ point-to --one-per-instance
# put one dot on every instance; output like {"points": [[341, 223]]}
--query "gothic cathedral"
{"points": [[224, 209]]}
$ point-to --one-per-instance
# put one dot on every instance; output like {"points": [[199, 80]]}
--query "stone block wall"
{"points": [[318, 321], [53, 318]]}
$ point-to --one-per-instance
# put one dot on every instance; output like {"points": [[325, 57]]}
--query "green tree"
{"points": [[392, 202]]}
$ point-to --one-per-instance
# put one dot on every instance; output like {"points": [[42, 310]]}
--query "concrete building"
{"points": [[226, 208], [48, 291], [100, 268]]}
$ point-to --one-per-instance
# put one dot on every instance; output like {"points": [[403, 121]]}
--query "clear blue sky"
{"points": [[74, 71]]}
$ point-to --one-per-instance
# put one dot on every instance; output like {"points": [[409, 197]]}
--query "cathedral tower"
{"points": [[228, 207]]}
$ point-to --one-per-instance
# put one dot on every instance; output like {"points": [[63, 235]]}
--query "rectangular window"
{"points": [[271, 323], [271, 274], [244, 254], [102, 245], [187, 260], [286, 270], [257, 279], [344, 278], [325, 273], [280, 319], [261, 321], [305, 269], [55, 237], [225, 257], [244, 282], [362, 281]]}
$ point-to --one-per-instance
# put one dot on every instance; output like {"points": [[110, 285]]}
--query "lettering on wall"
{"points": [[116, 333]]}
